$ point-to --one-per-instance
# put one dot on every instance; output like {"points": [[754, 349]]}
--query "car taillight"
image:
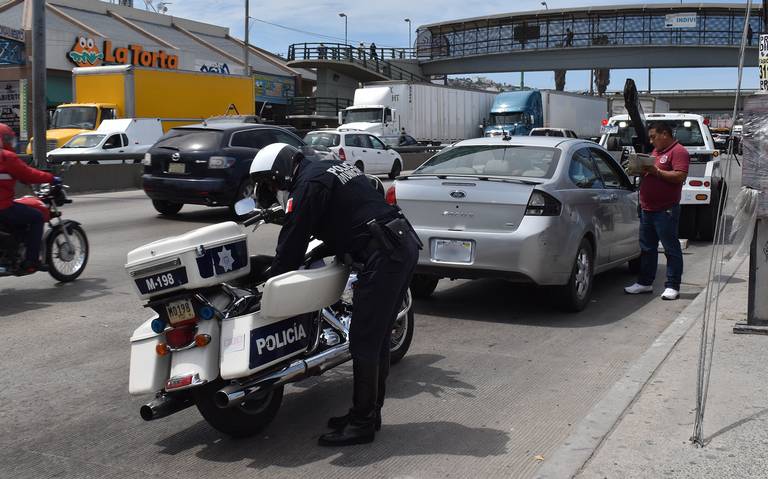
{"points": [[391, 197], [180, 336], [706, 184], [604, 122], [542, 204], [695, 183], [342, 155]]}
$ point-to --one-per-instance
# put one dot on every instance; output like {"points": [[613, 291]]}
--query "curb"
{"points": [[596, 426]]}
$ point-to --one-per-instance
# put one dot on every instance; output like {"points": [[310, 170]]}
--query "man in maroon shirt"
{"points": [[12, 169], [660, 192]]}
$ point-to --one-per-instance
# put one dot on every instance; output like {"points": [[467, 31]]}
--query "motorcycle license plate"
{"points": [[162, 281], [452, 251], [179, 168], [179, 311]]}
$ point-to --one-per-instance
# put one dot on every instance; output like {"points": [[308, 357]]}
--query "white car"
{"points": [[368, 153], [115, 141]]}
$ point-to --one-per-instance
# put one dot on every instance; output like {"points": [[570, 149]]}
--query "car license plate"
{"points": [[609, 129], [177, 168], [452, 251], [161, 281], [179, 311]]}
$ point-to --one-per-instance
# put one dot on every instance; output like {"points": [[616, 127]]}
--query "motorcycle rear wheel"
{"points": [[241, 421], [66, 260]]}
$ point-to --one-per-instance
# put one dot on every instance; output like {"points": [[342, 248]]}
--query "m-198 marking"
{"points": [[162, 281]]}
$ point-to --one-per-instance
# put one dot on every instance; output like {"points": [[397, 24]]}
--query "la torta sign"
{"points": [[85, 53]]}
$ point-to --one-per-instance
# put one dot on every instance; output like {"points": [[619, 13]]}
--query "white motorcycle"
{"points": [[226, 339]]}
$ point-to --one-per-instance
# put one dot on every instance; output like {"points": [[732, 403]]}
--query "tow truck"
{"points": [[704, 188]]}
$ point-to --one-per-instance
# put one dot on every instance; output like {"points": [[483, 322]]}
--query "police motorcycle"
{"points": [[226, 339], [65, 244]]}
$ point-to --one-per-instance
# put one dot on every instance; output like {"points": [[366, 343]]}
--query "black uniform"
{"points": [[334, 202]]}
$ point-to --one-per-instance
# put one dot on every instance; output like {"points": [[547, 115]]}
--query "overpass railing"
{"points": [[371, 59], [567, 29]]}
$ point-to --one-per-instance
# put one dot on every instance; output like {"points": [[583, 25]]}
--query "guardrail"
{"points": [[370, 59]]}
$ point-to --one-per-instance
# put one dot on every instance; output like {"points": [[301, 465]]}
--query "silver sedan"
{"points": [[544, 210]]}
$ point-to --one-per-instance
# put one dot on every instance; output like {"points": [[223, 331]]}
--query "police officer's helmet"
{"points": [[276, 164]]}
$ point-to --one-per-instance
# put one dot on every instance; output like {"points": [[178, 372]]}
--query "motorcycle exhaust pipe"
{"points": [[163, 406], [235, 394]]}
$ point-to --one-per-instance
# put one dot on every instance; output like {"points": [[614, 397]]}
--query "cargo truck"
{"points": [[126, 91], [432, 114], [516, 113]]}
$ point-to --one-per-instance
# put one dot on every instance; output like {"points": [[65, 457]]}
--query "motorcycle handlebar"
{"points": [[266, 215]]}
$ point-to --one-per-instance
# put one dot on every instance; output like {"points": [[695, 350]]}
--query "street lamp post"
{"points": [[546, 7], [344, 15], [245, 44], [409, 32]]}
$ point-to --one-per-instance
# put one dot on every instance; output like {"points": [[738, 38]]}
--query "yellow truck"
{"points": [[176, 97]]}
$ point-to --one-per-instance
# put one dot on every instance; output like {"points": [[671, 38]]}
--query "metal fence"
{"points": [[371, 59], [714, 27], [312, 106]]}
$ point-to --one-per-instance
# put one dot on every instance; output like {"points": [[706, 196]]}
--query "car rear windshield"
{"points": [[189, 139], [547, 133], [687, 132], [493, 160], [322, 139]]}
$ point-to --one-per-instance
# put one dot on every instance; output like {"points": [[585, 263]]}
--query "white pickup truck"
{"points": [[705, 184], [115, 141]]}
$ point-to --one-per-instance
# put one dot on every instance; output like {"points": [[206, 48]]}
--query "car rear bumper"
{"points": [[198, 191], [533, 253]]}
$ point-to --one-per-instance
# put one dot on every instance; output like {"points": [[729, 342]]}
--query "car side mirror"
{"points": [[387, 147]]}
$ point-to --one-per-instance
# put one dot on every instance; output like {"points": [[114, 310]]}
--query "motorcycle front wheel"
{"points": [[66, 258], [239, 421]]}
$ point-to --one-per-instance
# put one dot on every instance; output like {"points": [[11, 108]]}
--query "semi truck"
{"points": [[176, 97], [518, 112], [432, 114]]}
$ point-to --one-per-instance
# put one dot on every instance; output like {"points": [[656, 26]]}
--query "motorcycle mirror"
{"points": [[377, 184], [245, 206]]}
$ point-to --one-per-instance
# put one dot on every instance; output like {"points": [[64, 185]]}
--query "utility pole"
{"points": [[39, 111], [344, 16], [245, 45]]}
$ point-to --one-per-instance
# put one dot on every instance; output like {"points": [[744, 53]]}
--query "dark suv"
{"points": [[206, 164]]}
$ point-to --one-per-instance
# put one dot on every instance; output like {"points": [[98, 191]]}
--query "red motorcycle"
{"points": [[65, 246]]}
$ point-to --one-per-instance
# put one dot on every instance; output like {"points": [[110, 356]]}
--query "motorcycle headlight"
{"points": [[147, 161]]}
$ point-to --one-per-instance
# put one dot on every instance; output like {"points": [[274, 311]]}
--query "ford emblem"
{"points": [[176, 157], [458, 194]]}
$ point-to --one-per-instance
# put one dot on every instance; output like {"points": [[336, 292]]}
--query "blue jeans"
{"points": [[661, 226], [21, 215]]}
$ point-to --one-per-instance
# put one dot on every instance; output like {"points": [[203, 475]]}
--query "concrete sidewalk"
{"points": [[642, 427]]}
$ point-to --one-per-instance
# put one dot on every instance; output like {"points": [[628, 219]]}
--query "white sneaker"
{"points": [[638, 288], [670, 294]]}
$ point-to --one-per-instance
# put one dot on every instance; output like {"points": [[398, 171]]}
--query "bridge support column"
{"points": [[332, 84]]}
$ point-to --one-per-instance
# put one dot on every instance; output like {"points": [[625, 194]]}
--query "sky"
{"points": [[383, 23]]}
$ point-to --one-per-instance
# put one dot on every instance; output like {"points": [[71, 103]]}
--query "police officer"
{"points": [[334, 202]]}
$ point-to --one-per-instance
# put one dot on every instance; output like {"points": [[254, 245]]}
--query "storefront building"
{"points": [[81, 33]]}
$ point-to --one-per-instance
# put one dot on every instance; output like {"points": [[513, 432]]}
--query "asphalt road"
{"points": [[495, 380]]}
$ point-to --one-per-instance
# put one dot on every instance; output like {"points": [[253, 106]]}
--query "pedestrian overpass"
{"points": [[617, 36]]}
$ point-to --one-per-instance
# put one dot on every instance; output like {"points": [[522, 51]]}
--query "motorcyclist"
{"points": [[334, 202], [11, 170]]}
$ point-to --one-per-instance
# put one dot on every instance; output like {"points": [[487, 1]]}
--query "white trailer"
{"points": [[581, 113], [429, 113], [650, 104]]}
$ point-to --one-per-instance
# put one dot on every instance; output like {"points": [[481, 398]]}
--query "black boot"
{"points": [[340, 422], [361, 425]]}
